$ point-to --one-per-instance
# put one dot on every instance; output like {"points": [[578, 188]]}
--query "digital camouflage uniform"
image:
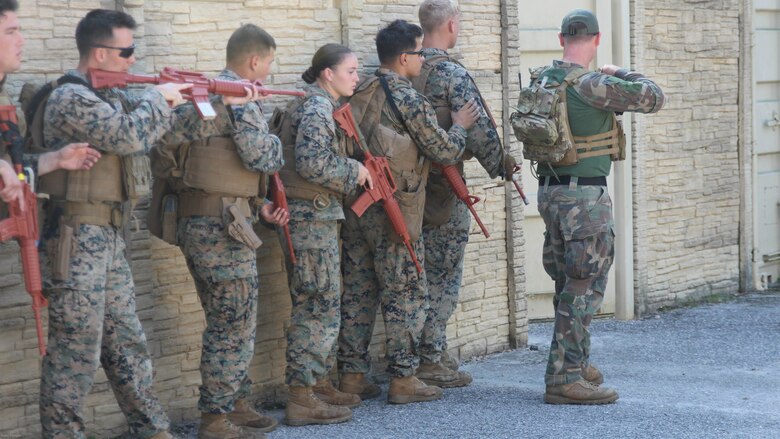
{"points": [[30, 160], [449, 85], [315, 280], [379, 271], [225, 270], [92, 318], [579, 240]]}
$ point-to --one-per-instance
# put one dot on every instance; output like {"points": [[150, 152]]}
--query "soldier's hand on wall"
{"points": [[272, 215], [609, 69], [172, 92], [364, 177], [12, 187], [251, 95], [467, 115]]}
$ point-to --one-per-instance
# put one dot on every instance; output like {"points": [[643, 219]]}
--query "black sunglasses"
{"points": [[124, 52], [418, 53]]}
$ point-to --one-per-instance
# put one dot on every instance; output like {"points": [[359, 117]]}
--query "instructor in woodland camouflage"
{"points": [[400, 124], [447, 221], [75, 156], [317, 175], [576, 207], [216, 192], [87, 280]]}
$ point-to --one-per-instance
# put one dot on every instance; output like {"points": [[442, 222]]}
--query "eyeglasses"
{"points": [[124, 52], [418, 53]]}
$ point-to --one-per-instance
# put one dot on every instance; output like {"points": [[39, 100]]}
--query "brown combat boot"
{"points": [[410, 389], [217, 426], [358, 384], [162, 435], [592, 375], [245, 415], [449, 361], [579, 392], [325, 392], [303, 408], [439, 375]]}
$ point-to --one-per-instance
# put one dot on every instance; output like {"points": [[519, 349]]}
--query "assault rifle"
{"points": [[384, 184], [461, 191], [279, 198], [23, 224], [198, 94]]}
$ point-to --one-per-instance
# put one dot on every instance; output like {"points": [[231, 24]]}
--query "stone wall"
{"points": [[192, 34], [686, 168]]}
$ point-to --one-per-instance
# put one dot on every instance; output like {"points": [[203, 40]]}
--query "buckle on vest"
{"points": [[321, 202]]}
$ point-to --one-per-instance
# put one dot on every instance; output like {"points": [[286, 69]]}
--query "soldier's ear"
{"points": [[328, 74]]}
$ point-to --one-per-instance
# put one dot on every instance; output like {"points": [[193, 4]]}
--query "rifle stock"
{"points": [[198, 94], [23, 225], [384, 184]]}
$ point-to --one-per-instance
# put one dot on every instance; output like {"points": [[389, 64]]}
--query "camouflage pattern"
{"points": [[92, 322], [225, 275], [225, 270], [450, 85], [445, 247], [315, 280], [592, 99], [577, 254], [377, 270], [115, 121], [445, 147], [92, 315], [29, 160], [245, 124]]}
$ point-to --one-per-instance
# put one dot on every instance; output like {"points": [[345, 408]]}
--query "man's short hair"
{"points": [[8, 6], [249, 40], [433, 13], [399, 36], [97, 27]]}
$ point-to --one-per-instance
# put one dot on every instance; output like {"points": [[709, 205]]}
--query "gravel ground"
{"points": [[708, 371]]}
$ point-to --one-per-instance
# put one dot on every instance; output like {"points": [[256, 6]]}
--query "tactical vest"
{"points": [[295, 186], [5, 99], [213, 169], [410, 169], [542, 124], [96, 196]]}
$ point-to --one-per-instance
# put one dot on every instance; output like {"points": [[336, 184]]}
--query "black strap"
{"points": [[566, 179], [391, 101], [46, 90]]}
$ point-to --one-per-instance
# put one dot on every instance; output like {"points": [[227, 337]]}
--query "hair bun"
{"points": [[309, 76]]}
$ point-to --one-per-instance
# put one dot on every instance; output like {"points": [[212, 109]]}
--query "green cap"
{"points": [[580, 22]]}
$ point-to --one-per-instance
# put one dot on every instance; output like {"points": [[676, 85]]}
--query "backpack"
{"points": [[541, 121]]}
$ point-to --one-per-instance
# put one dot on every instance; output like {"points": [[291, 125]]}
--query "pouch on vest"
{"points": [[164, 166], [214, 166], [63, 250]]}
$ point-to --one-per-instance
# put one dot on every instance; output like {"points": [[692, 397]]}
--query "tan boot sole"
{"points": [[406, 399], [299, 422], [331, 402], [447, 384], [557, 399]]}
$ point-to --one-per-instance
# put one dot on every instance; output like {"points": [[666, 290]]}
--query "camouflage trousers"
{"points": [[380, 272], [92, 322], [445, 246], [578, 253], [225, 275], [315, 290]]}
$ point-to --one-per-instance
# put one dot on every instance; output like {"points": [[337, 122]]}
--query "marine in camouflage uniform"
{"points": [[379, 271], [449, 86], [315, 279], [92, 318], [577, 210], [225, 270]]}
